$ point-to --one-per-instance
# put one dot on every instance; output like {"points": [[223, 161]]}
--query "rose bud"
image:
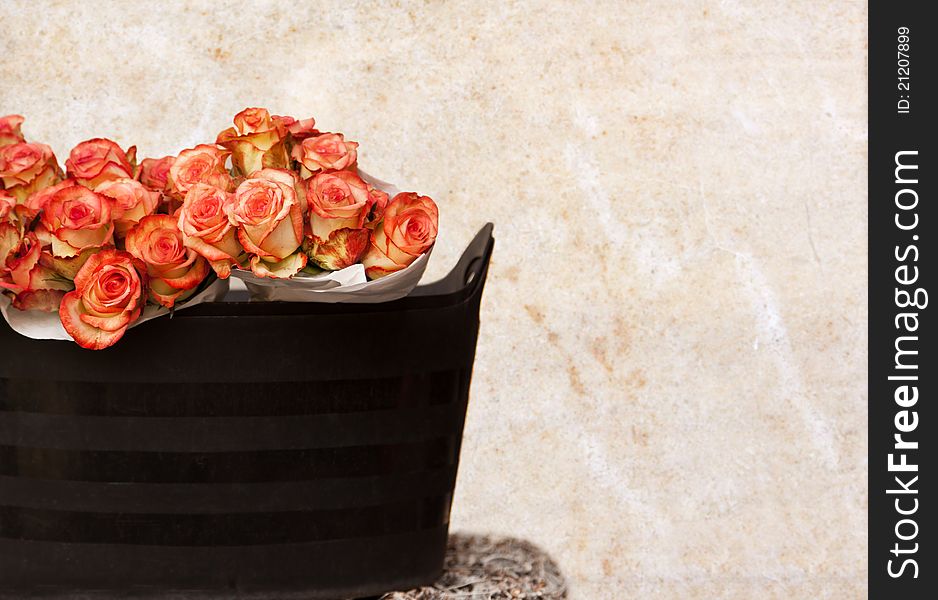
{"points": [[108, 297], [256, 141], [75, 218], [131, 201], [26, 168], [95, 161], [154, 173], [408, 230], [10, 132], [173, 270], [36, 286], [325, 152], [268, 212], [203, 221], [203, 164]]}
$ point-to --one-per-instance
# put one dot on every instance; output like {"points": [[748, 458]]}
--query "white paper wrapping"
{"points": [[41, 325]]}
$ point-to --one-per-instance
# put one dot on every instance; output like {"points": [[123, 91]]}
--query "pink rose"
{"points": [[154, 172], [10, 132], [36, 286], [203, 221], [256, 141], [108, 297], [26, 168], [203, 164], [268, 212], [95, 161], [325, 152], [337, 200], [75, 218], [408, 230], [131, 201], [174, 271]]}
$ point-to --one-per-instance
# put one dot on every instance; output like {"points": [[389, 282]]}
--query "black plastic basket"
{"points": [[237, 450]]}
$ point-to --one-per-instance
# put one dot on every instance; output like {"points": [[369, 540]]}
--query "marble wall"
{"points": [[670, 388]]}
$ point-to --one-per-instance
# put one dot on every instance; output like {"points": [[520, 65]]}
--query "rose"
{"points": [[379, 199], [131, 201], [36, 286], [268, 212], [337, 200], [10, 132], [108, 297], [95, 161], [26, 168], [328, 151], [75, 218], [408, 230], [174, 271], [154, 172], [256, 141], [203, 221], [203, 164]]}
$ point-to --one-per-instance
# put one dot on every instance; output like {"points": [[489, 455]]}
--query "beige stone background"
{"points": [[670, 388]]}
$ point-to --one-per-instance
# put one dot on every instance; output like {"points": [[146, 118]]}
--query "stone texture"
{"points": [[670, 389]]}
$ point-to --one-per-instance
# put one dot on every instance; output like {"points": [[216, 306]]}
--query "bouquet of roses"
{"points": [[272, 195]]}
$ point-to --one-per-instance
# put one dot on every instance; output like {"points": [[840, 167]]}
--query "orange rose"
{"points": [[202, 164], [131, 201], [337, 200], [328, 151], [154, 172], [26, 168], [256, 141], [268, 212], [108, 297], [203, 221], [36, 286], [95, 161], [408, 230], [10, 132], [75, 218], [174, 271]]}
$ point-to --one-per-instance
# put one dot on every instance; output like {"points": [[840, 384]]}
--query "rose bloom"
{"points": [[268, 212], [10, 132], [256, 141], [174, 271], [328, 151], [203, 164], [131, 201], [108, 297], [95, 161], [337, 200], [75, 218], [203, 221], [36, 286], [408, 230], [154, 172], [26, 168]]}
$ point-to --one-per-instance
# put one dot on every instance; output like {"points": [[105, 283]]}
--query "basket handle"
{"points": [[470, 269]]}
